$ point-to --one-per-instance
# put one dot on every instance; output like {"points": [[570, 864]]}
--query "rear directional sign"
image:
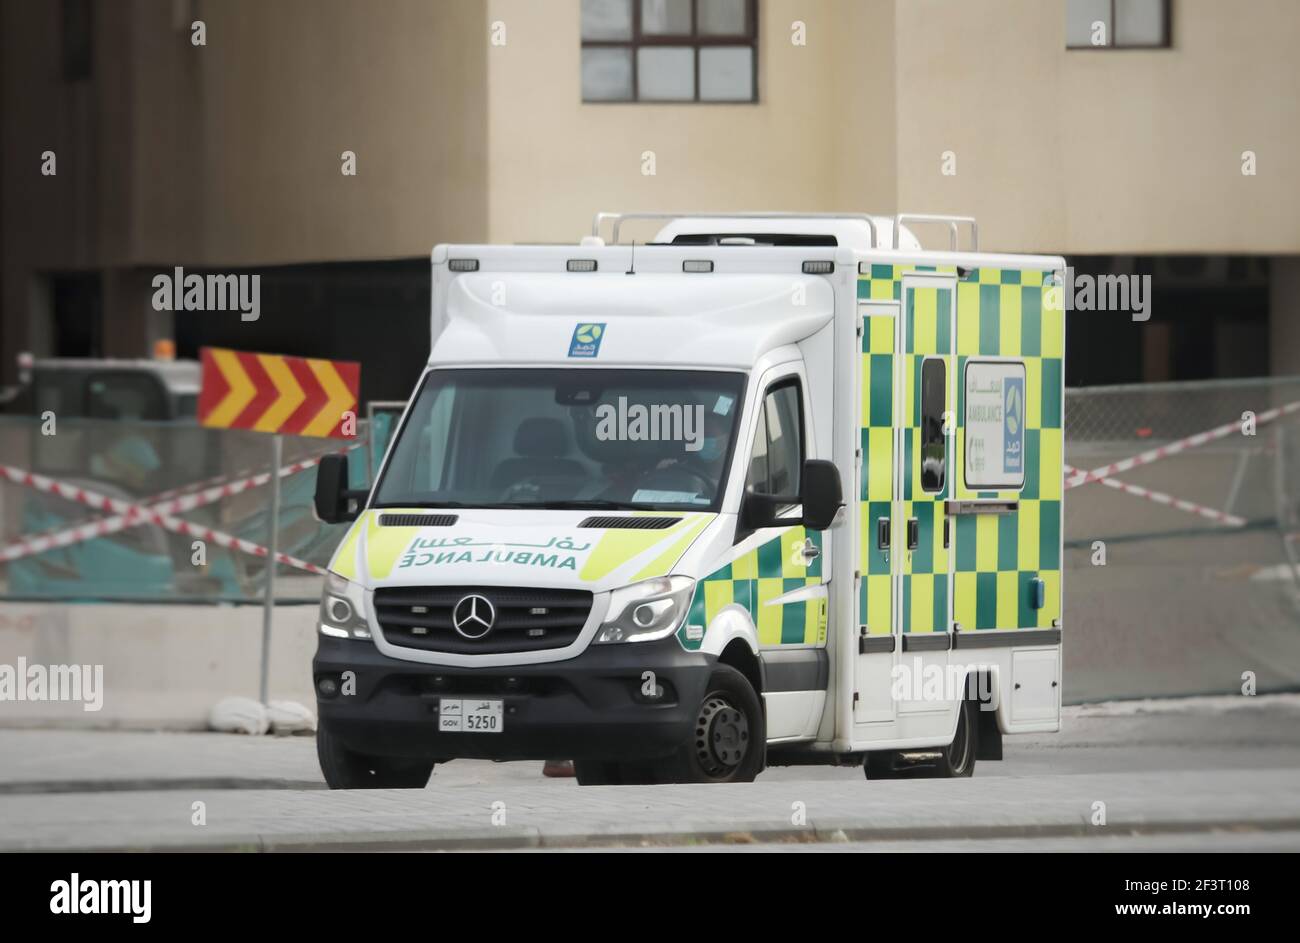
{"points": [[278, 393]]}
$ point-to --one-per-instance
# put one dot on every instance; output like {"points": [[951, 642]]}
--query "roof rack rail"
{"points": [[619, 218], [954, 223]]}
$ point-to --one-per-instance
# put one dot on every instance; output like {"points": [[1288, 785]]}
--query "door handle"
{"points": [[913, 533], [810, 551], [882, 533]]}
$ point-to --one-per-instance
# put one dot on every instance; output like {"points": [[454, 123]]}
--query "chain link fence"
{"points": [[1181, 570]]}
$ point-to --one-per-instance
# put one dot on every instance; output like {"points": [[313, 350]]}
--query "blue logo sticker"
{"points": [[1013, 424], [586, 340]]}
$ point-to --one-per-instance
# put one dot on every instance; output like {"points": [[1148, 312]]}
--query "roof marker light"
{"points": [[819, 267], [581, 265], [463, 265], [697, 265]]}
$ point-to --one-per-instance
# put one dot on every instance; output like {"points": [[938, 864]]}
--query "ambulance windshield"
{"points": [[565, 438]]}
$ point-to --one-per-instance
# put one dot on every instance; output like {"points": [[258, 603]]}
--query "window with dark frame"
{"points": [[670, 51], [1129, 24], [776, 460], [934, 441], [125, 396]]}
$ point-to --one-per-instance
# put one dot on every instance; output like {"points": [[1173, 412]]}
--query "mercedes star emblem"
{"points": [[473, 616]]}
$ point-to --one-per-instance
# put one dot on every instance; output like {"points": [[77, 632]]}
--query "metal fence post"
{"points": [[268, 604]]}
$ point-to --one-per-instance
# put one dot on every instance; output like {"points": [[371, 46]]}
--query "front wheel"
{"points": [[729, 740], [727, 743], [346, 769], [597, 773]]}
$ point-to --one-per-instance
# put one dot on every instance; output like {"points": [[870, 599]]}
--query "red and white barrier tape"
{"points": [[111, 525], [90, 530], [1159, 497], [1173, 448], [161, 514]]}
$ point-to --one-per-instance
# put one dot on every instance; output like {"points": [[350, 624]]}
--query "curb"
{"points": [[528, 838]]}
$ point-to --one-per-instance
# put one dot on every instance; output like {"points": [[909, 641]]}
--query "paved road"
{"points": [[1212, 773]]}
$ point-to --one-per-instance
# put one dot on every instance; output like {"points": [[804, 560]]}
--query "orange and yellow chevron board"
{"points": [[277, 393]]}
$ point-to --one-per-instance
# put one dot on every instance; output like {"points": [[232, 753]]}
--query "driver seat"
{"points": [[539, 446]]}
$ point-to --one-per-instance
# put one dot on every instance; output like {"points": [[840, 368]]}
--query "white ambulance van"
{"points": [[768, 490]]}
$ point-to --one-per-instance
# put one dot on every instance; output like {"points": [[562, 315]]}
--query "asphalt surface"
{"points": [[1196, 774]]}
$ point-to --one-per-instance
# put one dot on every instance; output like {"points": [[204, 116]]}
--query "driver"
{"points": [[707, 460]]}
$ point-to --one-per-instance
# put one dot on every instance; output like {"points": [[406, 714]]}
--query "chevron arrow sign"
{"points": [[277, 393]]}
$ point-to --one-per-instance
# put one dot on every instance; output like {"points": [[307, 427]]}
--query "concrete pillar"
{"points": [[1284, 315]]}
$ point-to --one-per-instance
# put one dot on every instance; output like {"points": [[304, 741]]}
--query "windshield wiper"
{"points": [[432, 505], [580, 504], [576, 504]]}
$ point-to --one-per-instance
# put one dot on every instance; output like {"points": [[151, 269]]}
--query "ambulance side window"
{"points": [[934, 444], [777, 456]]}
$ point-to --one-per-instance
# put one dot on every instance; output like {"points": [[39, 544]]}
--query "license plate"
{"points": [[470, 715]]}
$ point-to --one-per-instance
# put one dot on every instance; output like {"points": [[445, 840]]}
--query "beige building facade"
{"points": [[465, 121]]}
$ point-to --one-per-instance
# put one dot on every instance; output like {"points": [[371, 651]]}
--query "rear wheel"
{"points": [[346, 769], [879, 764], [958, 757], [956, 760]]}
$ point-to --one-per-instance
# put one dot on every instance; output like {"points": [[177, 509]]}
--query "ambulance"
{"points": [[769, 489]]}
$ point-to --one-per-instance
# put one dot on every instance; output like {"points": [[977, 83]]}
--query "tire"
{"points": [[732, 711], [879, 764], [602, 773], [344, 769], [596, 773], [729, 742], [958, 758]]}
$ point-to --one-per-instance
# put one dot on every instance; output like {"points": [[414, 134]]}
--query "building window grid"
{"points": [[1164, 42], [697, 41]]}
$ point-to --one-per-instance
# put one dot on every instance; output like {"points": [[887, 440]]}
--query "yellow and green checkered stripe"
{"points": [[754, 578], [876, 488], [927, 332], [885, 282], [997, 558], [1009, 313]]}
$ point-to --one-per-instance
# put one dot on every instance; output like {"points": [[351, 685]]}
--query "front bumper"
{"points": [[586, 707]]}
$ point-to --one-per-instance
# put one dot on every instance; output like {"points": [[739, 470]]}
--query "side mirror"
{"points": [[334, 502], [763, 510], [820, 493]]}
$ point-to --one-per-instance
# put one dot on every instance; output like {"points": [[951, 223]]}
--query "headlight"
{"points": [[646, 611], [343, 609]]}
